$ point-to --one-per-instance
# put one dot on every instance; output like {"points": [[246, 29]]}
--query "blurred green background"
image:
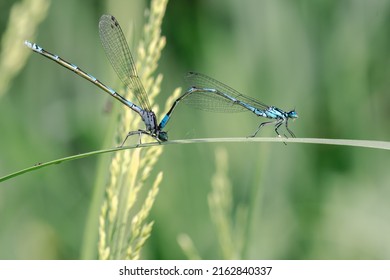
{"points": [[328, 59]]}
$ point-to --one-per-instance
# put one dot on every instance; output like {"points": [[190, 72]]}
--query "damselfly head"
{"points": [[292, 114], [163, 136]]}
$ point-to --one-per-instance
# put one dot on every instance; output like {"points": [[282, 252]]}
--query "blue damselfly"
{"points": [[119, 55], [208, 94]]}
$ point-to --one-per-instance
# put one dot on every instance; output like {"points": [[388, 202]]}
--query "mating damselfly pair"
{"points": [[204, 93]]}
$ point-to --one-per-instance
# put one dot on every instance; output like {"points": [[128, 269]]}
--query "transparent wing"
{"points": [[210, 101], [118, 53], [203, 81]]}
